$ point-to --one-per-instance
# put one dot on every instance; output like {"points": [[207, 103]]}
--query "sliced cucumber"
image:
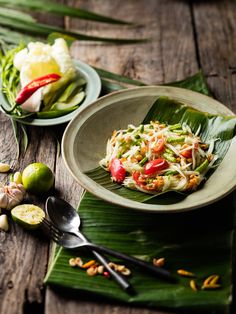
{"points": [[75, 101], [28, 216]]}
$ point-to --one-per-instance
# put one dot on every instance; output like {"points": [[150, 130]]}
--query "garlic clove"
{"points": [[4, 167], [3, 200], [4, 223], [17, 178]]}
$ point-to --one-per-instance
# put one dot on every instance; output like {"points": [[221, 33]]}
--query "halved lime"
{"points": [[28, 216]]}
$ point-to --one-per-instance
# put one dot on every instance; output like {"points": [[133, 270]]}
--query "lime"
{"points": [[28, 216], [37, 178]]}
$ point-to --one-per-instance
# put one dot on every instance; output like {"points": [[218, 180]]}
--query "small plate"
{"points": [[93, 88], [85, 138]]}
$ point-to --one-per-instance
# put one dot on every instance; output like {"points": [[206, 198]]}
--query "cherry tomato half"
{"points": [[117, 170], [188, 152], [141, 181], [155, 166], [159, 146]]}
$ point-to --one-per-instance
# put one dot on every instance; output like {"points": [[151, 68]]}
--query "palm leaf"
{"points": [[39, 29], [169, 111], [147, 236], [9, 37], [60, 9]]}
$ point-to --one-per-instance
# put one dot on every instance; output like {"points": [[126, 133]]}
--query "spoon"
{"points": [[65, 217]]}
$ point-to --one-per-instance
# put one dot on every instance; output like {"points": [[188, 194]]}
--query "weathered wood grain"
{"points": [[215, 34], [24, 255]]}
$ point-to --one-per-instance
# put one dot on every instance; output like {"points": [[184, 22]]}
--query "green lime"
{"points": [[28, 216], [37, 178]]}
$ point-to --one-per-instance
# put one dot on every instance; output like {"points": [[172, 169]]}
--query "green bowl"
{"points": [[85, 138], [93, 89]]}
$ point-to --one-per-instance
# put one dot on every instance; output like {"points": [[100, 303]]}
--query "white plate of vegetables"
{"points": [[41, 84]]}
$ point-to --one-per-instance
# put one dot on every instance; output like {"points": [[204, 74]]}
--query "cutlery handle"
{"points": [[122, 282], [163, 273]]}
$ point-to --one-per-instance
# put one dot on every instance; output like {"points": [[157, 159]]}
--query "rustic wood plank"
{"points": [[24, 255], [163, 59], [216, 31]]}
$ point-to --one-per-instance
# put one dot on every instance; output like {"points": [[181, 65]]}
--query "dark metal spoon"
{"points": [[65, 217]]}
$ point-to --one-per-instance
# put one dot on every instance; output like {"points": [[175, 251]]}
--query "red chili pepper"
{"points": [[34, 85], [117, 170]]}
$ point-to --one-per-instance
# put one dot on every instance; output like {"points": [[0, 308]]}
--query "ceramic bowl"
{"points": [[85, 138], [93, 88]]}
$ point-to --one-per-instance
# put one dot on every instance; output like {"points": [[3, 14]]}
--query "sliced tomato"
{"points": [[159, 147], [188, 152], [117, 170], [154, 166], [140, 180]]}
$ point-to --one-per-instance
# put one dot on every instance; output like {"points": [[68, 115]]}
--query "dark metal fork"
{"points": [[70, 241], [57, 236]]}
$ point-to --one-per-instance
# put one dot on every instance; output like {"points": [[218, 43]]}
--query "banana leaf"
{"points": [[169, 111], [199, 241], [112, 82], [60, 9]]}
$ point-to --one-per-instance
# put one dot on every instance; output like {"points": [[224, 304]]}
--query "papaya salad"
{"points": [[156, 157]]}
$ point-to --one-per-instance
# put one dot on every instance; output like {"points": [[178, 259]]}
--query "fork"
{"points": [[69, 241], [56, 234]]}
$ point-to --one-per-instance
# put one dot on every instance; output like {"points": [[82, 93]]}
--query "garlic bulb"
{"points": [[11, 195]]}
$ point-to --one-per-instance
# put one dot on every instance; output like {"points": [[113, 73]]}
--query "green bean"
{"points": [[169, 157], [175, 126], [203, 167], [142, 162], [176, 139]]}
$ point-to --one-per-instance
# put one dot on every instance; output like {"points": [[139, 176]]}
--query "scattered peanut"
{"points": [[72, 262], [158, 262], [185, 273], [193, 285], [112, 265], [92, 271], [100, 269], [89, 264], [126, 272], [120, 268], [211, 282], [4, 223], [4, 167], [209, 287], [78, 261]]}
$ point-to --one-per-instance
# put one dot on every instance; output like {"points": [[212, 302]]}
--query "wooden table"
{"points": [[186, 36]]}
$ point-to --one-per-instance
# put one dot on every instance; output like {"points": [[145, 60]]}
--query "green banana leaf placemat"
{"points": [[200, 241]]}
